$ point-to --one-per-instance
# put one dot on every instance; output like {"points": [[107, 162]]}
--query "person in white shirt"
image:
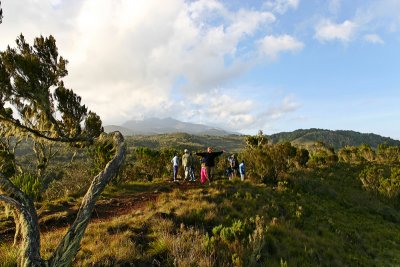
{"points": [[175, 164], [242, 170]]}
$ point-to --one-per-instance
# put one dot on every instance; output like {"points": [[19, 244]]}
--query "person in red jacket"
{"points": [[208, 164]]}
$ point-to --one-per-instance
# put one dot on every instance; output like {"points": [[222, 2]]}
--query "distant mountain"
{"points": [[123, 130], [153, 126], [335, 139], [302, 137]]}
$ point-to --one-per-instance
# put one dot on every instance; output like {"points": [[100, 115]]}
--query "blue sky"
{"points": [[274, 65]]}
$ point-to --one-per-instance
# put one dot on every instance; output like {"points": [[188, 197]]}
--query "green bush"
{"points": [[370, 177], [379, 180], [243, 242], [322, 155], [29, 184], [356, 155], [302, 157], [388, 154], [150, 163], [7, 166], [390, 186], [102, 152]]}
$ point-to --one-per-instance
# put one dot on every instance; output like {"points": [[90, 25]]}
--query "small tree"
{"points": [[31, 84], [267, 162]]}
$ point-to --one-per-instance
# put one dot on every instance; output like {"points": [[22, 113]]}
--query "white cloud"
{"points": [[127, 56], [329, 31], [371, 16], [373, 38], [219, 108], [379, 15], [288, 105], [281, 6], [272, 46], [237, 112]]}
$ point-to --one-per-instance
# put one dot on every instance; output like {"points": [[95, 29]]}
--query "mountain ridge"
{"points": [[333, 138], [168, 127], [151, 126]]}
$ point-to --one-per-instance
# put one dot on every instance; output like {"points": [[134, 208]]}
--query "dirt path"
{"points": [[105, 209]]}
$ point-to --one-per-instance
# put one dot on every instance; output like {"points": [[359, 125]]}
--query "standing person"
{"points": [[234, 166], [191, 171], [187, 163], [242, 170], [175, 164], [208, 164]]}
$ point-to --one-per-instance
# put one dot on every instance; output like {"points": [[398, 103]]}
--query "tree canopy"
{"points": [[34, 102], [33, 97]]}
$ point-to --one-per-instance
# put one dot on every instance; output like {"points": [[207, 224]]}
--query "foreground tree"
{"points": [[35, 103]]}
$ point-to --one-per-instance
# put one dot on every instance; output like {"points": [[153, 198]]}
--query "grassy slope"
{"points": [[319, 218]]}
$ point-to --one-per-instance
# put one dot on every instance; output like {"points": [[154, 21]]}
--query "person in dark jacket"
{"points": [[208, 163]]}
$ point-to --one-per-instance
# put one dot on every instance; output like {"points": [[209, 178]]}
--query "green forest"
{"points": [[73, 195]]}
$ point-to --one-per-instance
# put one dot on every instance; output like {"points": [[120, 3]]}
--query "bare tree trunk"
{"points": [[17, 234], [29, 252], [68, 247], [28, 221]]}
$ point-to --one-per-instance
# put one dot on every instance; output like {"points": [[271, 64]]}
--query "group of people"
{"points": [[207, 165], [235, 167]]}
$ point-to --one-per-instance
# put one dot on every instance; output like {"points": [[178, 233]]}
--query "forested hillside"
{"points": [[335, 139], [181, 141], [303, 138]]}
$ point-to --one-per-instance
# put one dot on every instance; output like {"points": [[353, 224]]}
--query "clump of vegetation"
{"points": [[240, 244], [267, 162], [357, 155], [322, 155], [385, 181], [29, 184]]}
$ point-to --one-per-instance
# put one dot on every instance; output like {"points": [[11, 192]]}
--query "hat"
{"points": [[186, 151]]}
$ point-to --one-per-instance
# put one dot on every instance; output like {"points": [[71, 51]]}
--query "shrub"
{"points": [[370, 177], [322, 155], [388, 154], [302, 157], [242, 242], [390, 186], [29, 184], [7, 166], [356, 155], [101, 152], [378, 180]]}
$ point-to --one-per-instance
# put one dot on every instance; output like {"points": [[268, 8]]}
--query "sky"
{"points": [[272, 65]]}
